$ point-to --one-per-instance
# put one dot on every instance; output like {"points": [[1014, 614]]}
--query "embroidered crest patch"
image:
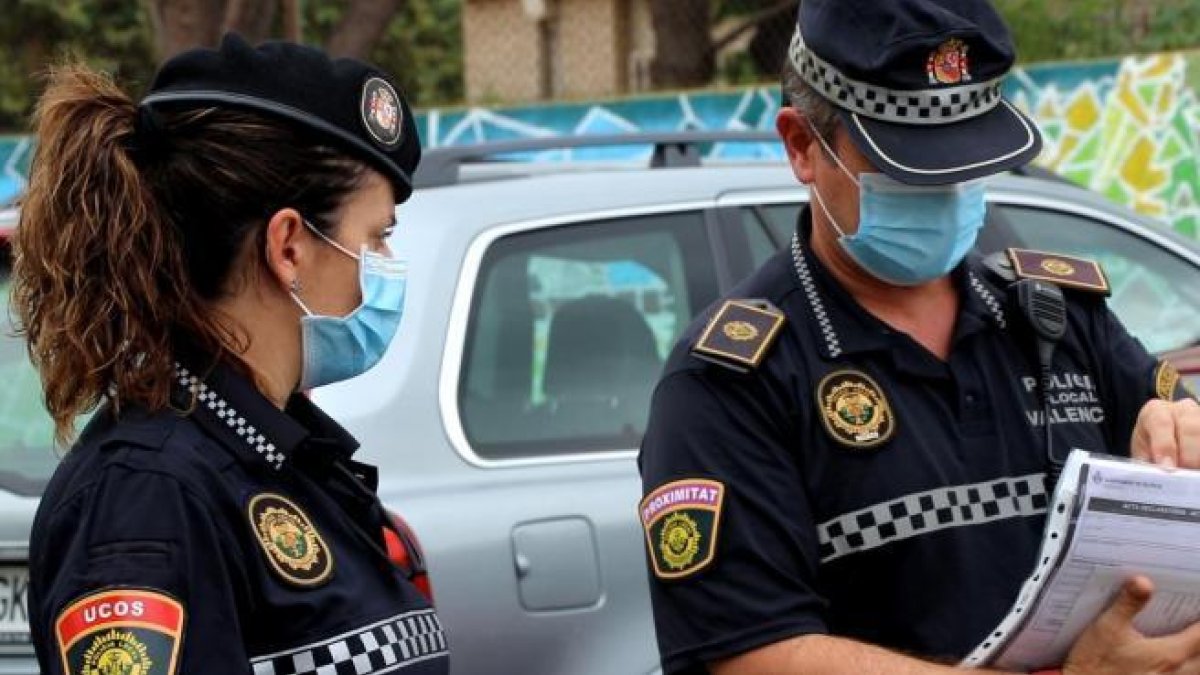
{"points": [[739, 334], [854, 409], [120, 632], [1067, 271], [682, 520], [292, 545], [1166, 378], [948, 64], [382, 114]]}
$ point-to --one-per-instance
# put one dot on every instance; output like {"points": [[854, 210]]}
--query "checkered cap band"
{"points": [[390, 645], [925, 512], [916, 107]]}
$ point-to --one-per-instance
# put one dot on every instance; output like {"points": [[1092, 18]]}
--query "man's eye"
{"points": [[387, 233]]}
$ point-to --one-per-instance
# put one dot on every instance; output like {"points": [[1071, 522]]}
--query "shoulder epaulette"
{"points": [[1062, 270], [739, 334]]}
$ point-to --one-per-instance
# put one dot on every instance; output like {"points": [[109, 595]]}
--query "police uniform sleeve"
{"points": [[730, 539], [133, 579], [1133, 376]]}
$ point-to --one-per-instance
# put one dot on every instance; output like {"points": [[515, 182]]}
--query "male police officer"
{"points": [[848, 459]]}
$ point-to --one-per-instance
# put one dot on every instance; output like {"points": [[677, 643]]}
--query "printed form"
{"points": [[1111, 518]]}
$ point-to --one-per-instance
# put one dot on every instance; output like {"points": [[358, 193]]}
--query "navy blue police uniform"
{"points": [[810, 470], [222, 534]]}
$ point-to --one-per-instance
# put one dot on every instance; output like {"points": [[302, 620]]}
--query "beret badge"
{"points": [[381, 112]]}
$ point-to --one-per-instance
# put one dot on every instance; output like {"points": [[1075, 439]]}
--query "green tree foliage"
{"points": [[422, 46]]}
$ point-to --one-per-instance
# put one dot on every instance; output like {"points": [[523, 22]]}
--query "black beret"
{"points": [[351, 104]]}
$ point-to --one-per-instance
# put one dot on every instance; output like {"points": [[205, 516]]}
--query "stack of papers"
{"points": [[1111, 518]]}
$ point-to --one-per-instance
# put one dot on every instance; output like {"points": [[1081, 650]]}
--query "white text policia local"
{"points": [[1071, 397]]}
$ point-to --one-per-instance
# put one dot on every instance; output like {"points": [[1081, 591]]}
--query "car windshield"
{"points": [[27, 454]]}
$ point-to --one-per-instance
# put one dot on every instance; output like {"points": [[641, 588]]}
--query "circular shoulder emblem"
{"points": [[854, 410], [382, 113], [291, 543], [1059, 268], [119, 652]]}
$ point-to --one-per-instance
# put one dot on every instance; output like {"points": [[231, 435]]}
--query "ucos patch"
{"points": [[381, 112], [126, 632], [681, 520], [289, 540], [854, 410]]}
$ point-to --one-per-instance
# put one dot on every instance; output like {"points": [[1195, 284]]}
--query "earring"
{"points": [[296, 286]]}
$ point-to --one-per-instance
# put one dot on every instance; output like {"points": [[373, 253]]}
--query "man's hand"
{"points": [[1112, 646], [1168, 433]]}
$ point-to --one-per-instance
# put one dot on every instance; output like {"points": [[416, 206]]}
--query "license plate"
{"points": [[14, 605]]}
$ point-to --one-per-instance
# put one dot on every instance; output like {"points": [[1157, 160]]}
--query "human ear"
{"points": [[286, 247], [798, 141]]}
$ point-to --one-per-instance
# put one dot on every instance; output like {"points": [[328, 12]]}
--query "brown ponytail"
{"points": [[119, 253]]}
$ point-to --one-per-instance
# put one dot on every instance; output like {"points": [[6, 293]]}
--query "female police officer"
{"points": [[188, 265]]}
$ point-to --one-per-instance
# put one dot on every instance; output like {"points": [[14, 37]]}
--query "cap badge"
{"points": [[292, 545], [854, 410], [381, 112], [948, 64]]}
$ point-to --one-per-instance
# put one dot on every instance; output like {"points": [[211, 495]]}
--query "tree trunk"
{"points": [[293, 21], [180, 25], [683, 54], [364, 22], [253, 19]]}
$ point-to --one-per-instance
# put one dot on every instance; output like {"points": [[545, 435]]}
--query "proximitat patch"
{"points": [[292, 545], [682, 520], [123, 632], [1064, 270], [854, 410]]}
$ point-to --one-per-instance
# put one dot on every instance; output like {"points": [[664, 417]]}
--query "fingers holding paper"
{"points": [[1113, 646], [1168, 433]]}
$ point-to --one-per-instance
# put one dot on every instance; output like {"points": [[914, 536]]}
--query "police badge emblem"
{"points": [[382, 114], [1166, 380], [948, 64], [681, 520], [854, 410], [292, 545], [120, 632]]}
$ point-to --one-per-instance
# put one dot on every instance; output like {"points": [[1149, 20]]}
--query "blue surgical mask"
{"points": [[339, 348], [908, 234]]}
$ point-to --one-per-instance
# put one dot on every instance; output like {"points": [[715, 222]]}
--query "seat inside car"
{"points": [[601, 367]]}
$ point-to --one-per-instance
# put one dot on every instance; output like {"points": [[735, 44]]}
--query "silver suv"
{"points": [[543, 298]]}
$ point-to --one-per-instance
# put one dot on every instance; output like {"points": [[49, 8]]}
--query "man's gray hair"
{"points": [[805, 100]]}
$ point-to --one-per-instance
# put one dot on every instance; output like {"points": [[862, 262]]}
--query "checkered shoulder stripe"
{"points": [[918, 106], [393, 644], [988, 299], [924, 512], [225, 412], [832, 343]]}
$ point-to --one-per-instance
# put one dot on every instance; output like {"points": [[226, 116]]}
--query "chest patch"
{"points": [[854, 410], [122, 632], [682, 520], [291, 544]]}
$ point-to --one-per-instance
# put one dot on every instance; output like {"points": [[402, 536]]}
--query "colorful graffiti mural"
{"points": [[1128, 128]]}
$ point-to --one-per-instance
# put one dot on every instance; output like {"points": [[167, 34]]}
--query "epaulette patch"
{"points": [[682, 520], [1063, 270], [739, 334], [120, 631]]}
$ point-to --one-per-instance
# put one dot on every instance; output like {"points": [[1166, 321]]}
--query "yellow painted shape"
{"points": [[1139, 171], [1083, 113]]}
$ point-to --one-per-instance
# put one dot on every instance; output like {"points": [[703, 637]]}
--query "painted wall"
{"points": [[1127, 128]]}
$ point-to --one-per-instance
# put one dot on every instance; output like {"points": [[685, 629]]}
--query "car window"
{"points": [[27, 456], [569, 330], [1153, 291], [768, 228]]}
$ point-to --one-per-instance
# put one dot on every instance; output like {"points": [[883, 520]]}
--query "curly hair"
{"points": [[131, 230]]}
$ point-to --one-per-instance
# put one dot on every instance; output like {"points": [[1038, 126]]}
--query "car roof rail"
{"points": [[440, 166]]}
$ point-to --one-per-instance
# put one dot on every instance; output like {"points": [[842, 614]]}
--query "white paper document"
{"points": [[1110, 518]]}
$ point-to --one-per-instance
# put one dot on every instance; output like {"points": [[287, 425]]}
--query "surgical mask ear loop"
{"points": [[813, 188], [330, 241], [833, 155]]}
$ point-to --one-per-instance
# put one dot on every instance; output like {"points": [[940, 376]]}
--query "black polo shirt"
{"points": [[856, 485], [222, 536]]}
